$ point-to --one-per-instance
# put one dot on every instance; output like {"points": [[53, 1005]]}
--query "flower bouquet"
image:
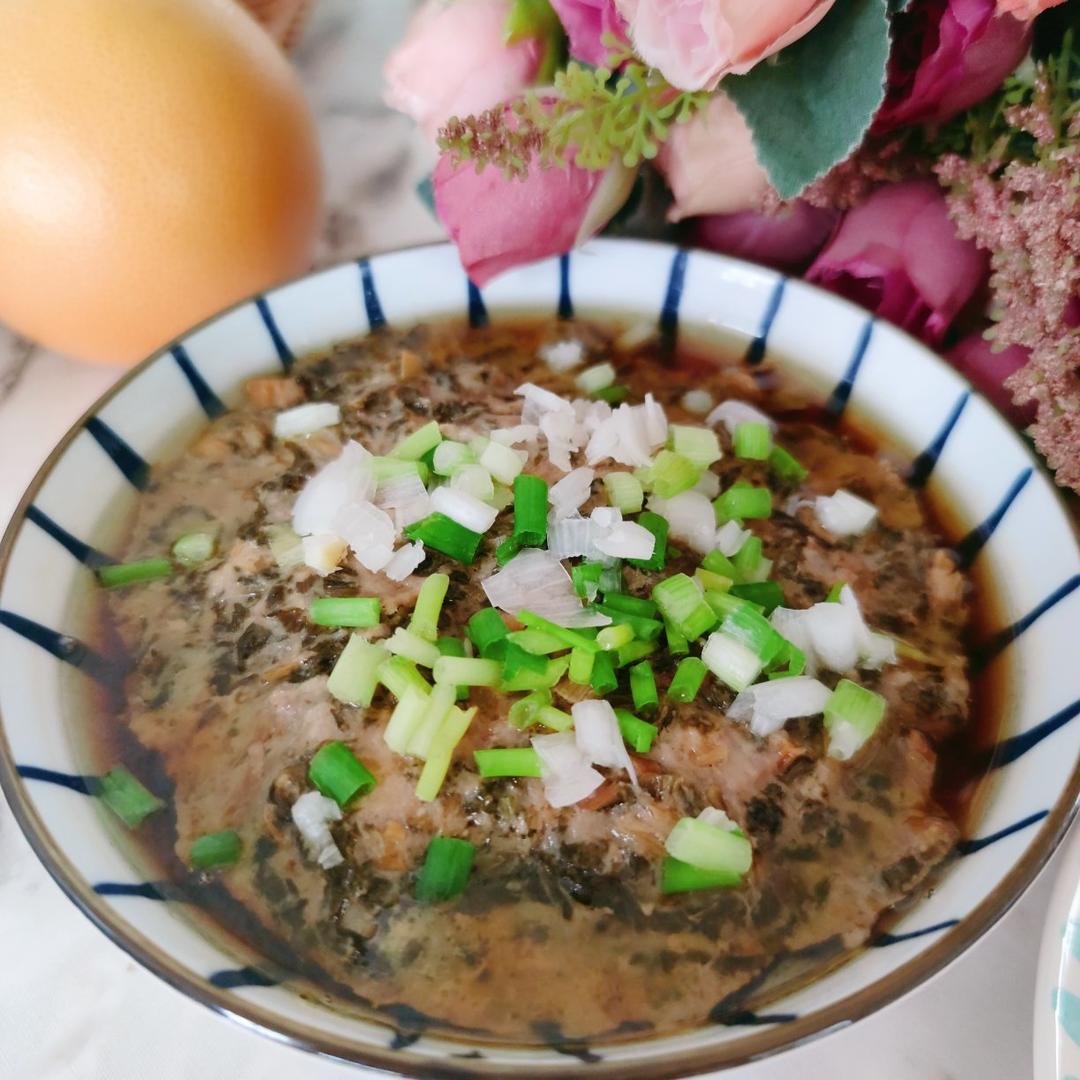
{"points": [[921, 158]]}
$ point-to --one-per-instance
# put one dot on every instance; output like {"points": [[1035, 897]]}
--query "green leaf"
{"points": [[810, 107], [537, 19]]}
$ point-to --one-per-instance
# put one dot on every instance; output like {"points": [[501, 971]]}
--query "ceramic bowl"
{"points": [[1012, 526]]}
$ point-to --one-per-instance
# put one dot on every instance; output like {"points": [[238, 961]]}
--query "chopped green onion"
{"points": [[681, 603], [116, 574], [286, 547], [753, 440], [441, 752], [595, 378], [624, 491], [405, 719], [834, 593], [630, 605], [586, 579], [486, 630], [613, 395], [127, 798], [641, 626], [671, 474], [716, 562], [611, 580], [679, 877], [417, 444], [639, 734], [643, 686], [405, 643], [524, 711], [530, 510], [723, 603], [633, 651], [581, 666], [446, 535], [573, 639], [794, 658], [346, 611], [449, 456], [709, 847], [467, 671], [677, 644], [501, 461], [603, 678], [357, 672], [748, 559], [536, 641], [742, 501], [686, 682], [505, 550], [478, 444], [786, 467], [712, 582], [428, 607], [699, 445], [554, 718], [338, 774], [731, 661], [753, 630], [768, 595], [439, 702], [389, 468], [658, 526], [534, 680], [852, 714], [445, 873], [397, 674], [515, 761], [215, 849], [193, 549], [452, 646], [614, 637], [515, 658]]}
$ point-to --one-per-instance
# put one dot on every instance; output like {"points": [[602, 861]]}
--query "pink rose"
{"points": [[498, 223], [947, 55], [1025, 9], [787, 239], [695, 43], [453, 61], [898, 255], [586, 22], [710, 165], [986, 370]]}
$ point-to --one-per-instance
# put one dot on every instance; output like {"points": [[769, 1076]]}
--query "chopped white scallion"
{"points": [[405, 497], [369, 531], [562, 355], [717, 818], [730, 537], [697, 401], [501, 461], [323, 552], [690, 517], [346, 479], [535, 580], [708, 484], [627, 540], [596, 732], [732, 413], [404, 561], [305, 419], [567, 494], [520, 433], [465, 509], [595, 378], [875, 650], [636, 335], [474, 480], [539, 401], [565, 435], [565, 771], [767, 706], [312, 814], [844, 514]]}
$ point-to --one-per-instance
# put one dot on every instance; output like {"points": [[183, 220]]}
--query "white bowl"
{"points": [[1012, 523]]}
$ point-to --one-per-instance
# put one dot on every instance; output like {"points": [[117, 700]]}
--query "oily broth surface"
{"points": [[561, 934]]}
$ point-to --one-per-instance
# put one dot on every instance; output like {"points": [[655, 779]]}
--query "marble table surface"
{"points": [[74, 1007]]}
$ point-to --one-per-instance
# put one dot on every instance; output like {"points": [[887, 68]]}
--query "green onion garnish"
{"points": [[633, 651], [536, 680], [786, 467], [676, 640], [356, 673], [624, 491], [643, 686], [193, 549], [597, 377], [672, 473], [614, 637], [406, 718], [524, 712], [417, 444], [586, 579], [603, 678], [505, 550], [556, 719], [752, 440], [517, 761], [487, 630], [389, 468], [515, 658], [117, 574], [712, 582], [536, 641], [441, 750], [428, 607], [716, 562], [446, 535], [682, 604], [742, 501], [573, 639], [405, 643], [215, 849], [732, 662], [748, 559], [611, 580], [637, 733], [581, 666], [449, 456], [445, 872], [698, 444], [648, 629], [753, 630], [530, 510], [852, 714], [678, 877], [834, 593], [501, 461], [346, 611], [631, 605], [397, 674], [439, 702], [687, 680], [452, 646], [658, 526], [768, 595], [127, 798], [794, 658], [613, 395], [338, 774], [710, 847], [467, 671]]}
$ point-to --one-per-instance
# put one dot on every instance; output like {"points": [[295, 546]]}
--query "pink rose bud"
{"points": [[586, 22], [786, 240], [695, 43], [947, 56], [499, 222], [986, 370], [453, 61], [1025, 9], [710, 164], [898, 255]]}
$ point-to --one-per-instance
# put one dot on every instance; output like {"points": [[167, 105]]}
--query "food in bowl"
{"points": [[538, 683]]}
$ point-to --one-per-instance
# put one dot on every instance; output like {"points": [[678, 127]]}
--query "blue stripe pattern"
{"points": [[984, 653], [881, 940], [1008, 750], [84, 785], [86, 554], [147, 890], [281, 347], [478, 315], [969, 847], [756, 353], [135, 470], [924, 464], [566, 304], [838, 399], [69, 649], [212, 405], [375, 317], [975, 540], [669, 312], [232, 978]]}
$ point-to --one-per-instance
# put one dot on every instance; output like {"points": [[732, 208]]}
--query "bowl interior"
{"points": [[1014, 528]]}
